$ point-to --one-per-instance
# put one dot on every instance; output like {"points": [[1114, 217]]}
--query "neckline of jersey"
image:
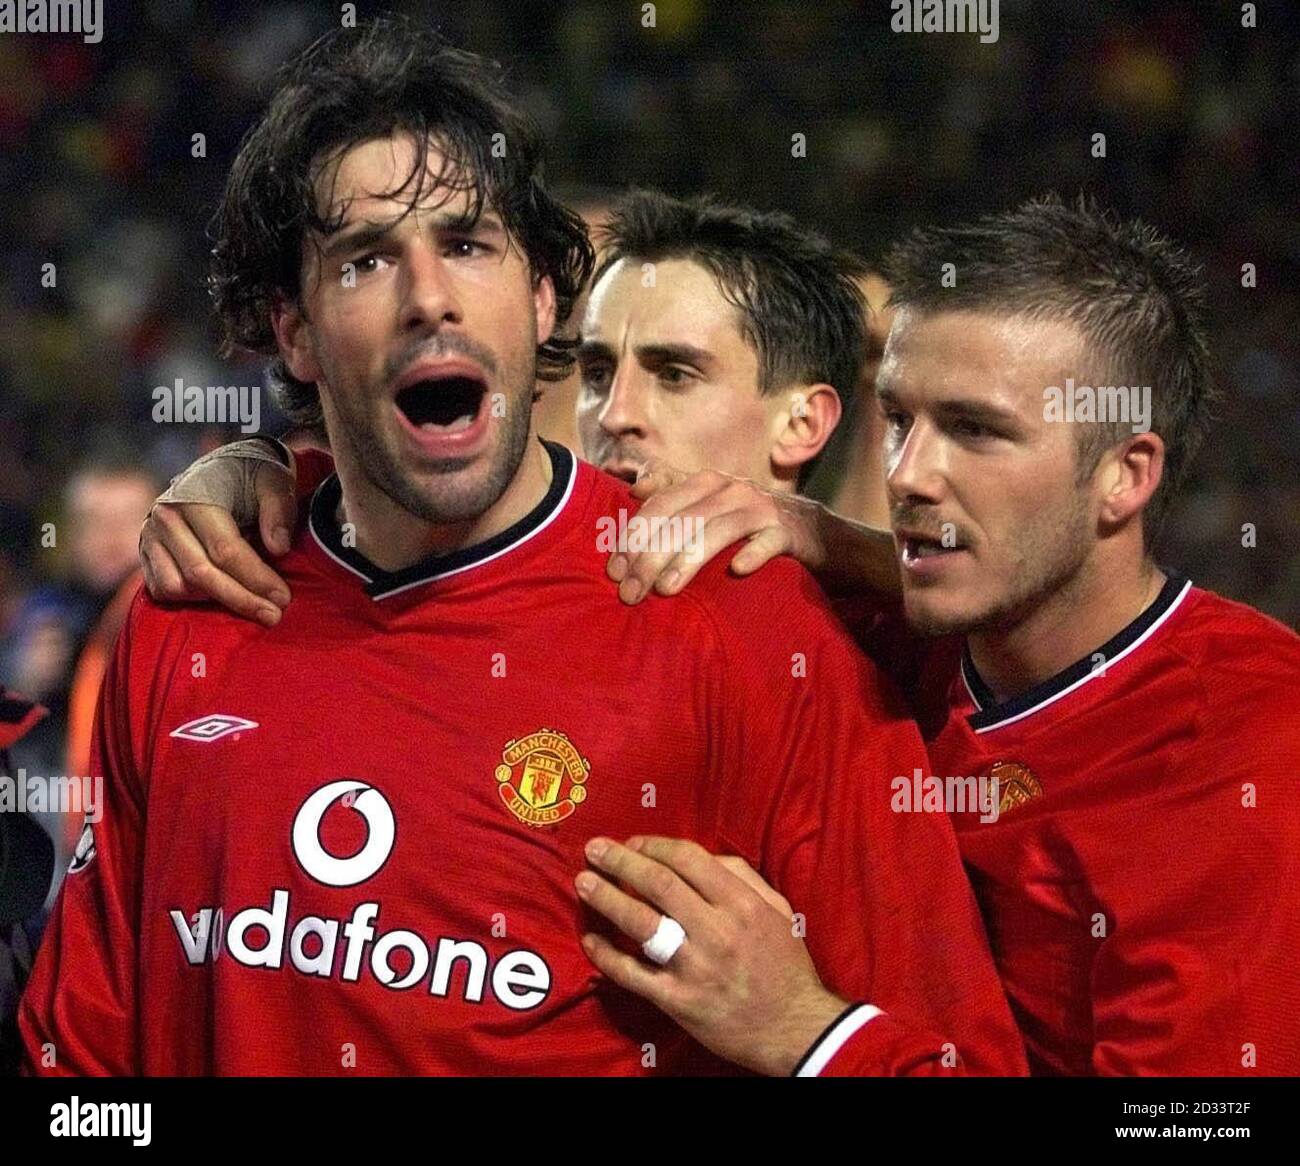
{"points": [[992, 714], [381, 584]]}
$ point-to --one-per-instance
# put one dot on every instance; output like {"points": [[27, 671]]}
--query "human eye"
{"points": [[969, 429], [465, 247], [674, 376], [365, 264], [896, 420], [596, 376]]}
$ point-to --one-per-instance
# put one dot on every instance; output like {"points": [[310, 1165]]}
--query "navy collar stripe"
{"points": [[992, 715], [380, 584]]}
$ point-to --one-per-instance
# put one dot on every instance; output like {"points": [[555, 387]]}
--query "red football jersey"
{"points": [[347, 843], [1141, 881]]}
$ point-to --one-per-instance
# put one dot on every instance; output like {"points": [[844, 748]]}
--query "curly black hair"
{"points": [[354, 85]]}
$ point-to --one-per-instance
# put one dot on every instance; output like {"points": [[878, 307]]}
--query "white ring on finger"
{"points": [[664, 943]]}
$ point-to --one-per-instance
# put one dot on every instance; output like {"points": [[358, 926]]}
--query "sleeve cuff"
{"points": [[277, 447], [834, 1038]]}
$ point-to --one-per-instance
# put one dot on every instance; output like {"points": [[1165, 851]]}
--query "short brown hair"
{"points": [[1137, 297]]}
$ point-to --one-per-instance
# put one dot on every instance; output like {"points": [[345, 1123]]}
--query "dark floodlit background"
{"points": [[1200, 118]]}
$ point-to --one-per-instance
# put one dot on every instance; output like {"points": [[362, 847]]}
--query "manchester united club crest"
{"points": [[542, 777], [1016, 785]]}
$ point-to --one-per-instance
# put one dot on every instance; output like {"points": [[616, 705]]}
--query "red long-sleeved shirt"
{"points": [[1140, 884], [347, 843]]}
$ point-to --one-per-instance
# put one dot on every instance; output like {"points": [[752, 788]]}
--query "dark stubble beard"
{"points": [[448, 501], [1051, 555]]}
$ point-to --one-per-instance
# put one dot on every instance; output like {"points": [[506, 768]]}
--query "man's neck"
{"points": [[392, 537], [1077, 620]]}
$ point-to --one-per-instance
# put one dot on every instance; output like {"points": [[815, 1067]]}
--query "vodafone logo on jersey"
{"points": [[354, 947], [344, 872]]}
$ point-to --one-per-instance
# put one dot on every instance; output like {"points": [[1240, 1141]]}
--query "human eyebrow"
{"points": [[657, 355], [464, 223], [955, 409], [979, 412], [368, 233], [885, 395], [596, 350], [363, 236]]}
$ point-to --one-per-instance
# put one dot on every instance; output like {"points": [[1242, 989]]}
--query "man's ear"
{"points": [[544, 306], [1129, 474], [806, 423], [293, 338]]}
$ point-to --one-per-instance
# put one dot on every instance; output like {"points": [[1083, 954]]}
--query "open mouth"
{"points": [[625, 472], [442, 404], [917, 547]]}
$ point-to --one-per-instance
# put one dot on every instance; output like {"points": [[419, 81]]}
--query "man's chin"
{"points": [[439, 486], [928, 615], [451, 491], [935, 612], [431, 473]]}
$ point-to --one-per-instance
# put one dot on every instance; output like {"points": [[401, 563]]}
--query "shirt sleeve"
{"points": [[814, 740], [78, 1014]]}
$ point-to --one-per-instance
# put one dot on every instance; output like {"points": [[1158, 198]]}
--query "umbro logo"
{"points": [[212, 727]]}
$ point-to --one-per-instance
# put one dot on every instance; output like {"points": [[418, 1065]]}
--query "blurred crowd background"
{"points": [[100, 178]]}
